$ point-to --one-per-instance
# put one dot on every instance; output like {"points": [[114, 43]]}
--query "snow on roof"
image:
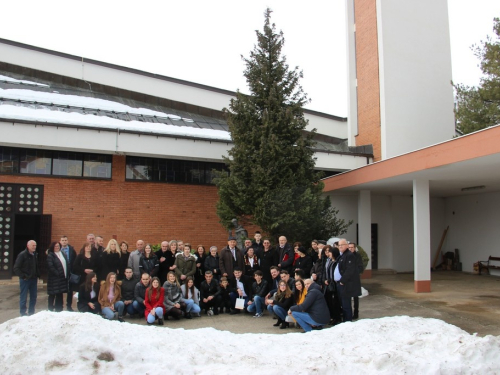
{"points": [[30, 113], [63, 342], [44, 115], [20, 81]]}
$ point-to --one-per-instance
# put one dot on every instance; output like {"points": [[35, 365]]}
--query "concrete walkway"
{"points": [[470, 302]]}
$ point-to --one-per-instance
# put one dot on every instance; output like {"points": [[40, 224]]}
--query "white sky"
{"points": [[202, 41]]}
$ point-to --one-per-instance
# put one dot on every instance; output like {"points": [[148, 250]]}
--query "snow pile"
{"points": [[13, 80], [72, 343]]}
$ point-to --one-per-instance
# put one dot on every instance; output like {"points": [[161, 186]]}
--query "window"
{"points": [[35, 161], [9, 160], [67, 164], [170, 170], [55, 163]]}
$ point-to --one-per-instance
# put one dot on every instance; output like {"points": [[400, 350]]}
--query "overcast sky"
{"points": [[202, 41]]}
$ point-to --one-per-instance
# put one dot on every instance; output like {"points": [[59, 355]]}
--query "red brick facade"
{"points": [[367, 73], [129, 210]]}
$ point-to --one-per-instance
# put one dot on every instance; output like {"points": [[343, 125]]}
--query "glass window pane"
{"points": [[138, 168], [35, 161], [67, 164], [9, 160], [97, 166]]}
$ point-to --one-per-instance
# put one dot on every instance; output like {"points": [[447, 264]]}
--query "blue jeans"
{"points": [[26, 286], [159, 314], [192, 307], [278, 310], [304, 320], [139, 308], [346, 303], [109, 314], [257, 304]]}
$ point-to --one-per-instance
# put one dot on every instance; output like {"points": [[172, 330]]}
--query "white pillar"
{"points": [[422, 235], [365, 226]]}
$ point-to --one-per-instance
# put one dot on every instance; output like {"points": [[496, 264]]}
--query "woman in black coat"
{"points": [[199, 275], [212, 263], [303, 262], [149, 262], [88, 295], [85, 262], [123, 259], [57, 283], [110, 260]]}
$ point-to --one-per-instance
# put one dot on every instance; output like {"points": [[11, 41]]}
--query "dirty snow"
{"points": [[70, 343]]}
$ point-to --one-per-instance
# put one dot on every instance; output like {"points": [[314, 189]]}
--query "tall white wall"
{"points": [[416, 96], [474, 222]]}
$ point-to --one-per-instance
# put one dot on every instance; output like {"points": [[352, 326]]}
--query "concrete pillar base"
{"points": [[367, 274], [422, 286]]}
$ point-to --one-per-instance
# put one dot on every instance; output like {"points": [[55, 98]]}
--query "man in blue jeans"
{"points": [[26, 267], [313, 312]]}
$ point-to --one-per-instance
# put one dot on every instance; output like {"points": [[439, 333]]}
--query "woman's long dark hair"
{"points": [[187, 288], [88, 281], [150, 288], [299, 293]]}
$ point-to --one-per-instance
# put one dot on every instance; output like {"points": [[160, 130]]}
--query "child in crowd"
{"points": [[224, 291]]}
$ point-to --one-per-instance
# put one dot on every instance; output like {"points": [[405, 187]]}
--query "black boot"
{"points": [[285, 325], [160, 322], [277, 324], [356, 314]]}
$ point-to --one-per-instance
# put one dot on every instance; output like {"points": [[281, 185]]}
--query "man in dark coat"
{"points": [[128, 291], [361, 268], [230, 257], [268, 258], [313, 312], [286, 254], [26, 268], [240, 286], [70, 253], [210, 297], [346, 275]]}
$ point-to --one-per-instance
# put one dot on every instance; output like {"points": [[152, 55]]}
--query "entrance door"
{"points": [[21, 208]]}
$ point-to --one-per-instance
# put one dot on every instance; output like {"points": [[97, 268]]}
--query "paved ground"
{"points": [[470, 302]]}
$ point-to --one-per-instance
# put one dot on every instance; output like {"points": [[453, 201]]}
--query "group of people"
{"points": [[311, 287]]}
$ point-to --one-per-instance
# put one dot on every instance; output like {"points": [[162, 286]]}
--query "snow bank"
{"points": [[72, 343]]}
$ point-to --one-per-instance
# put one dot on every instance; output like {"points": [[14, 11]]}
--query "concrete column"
{"points": [[365, 227], [422, 236]]}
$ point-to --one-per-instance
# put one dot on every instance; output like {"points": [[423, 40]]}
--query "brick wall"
{"points": [[130, 210], [367, 72]]}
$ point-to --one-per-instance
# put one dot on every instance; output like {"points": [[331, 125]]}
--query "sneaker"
{"points": [[160, 322], [210, 312], [258, 315], [120, 319], [188, 316]]}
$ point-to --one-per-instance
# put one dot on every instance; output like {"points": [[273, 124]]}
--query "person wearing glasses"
{"points": [[348, 280]]}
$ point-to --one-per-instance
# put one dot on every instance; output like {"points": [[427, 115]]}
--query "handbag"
{"points": [[240, 303], [74, 279]]}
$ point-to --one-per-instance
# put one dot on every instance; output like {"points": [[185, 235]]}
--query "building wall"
{"points": [[367, 76], [416, 96], [472, 220], [130, 210]]}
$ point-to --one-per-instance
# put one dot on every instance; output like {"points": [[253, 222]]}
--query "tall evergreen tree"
{"points": [[272, 182], [479, 107]]}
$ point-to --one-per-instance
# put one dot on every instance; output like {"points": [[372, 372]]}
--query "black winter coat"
{"points": [[82, 263], [123, 265], [212, 264], [267, 260], [26, 266], [286, 256], [109, 263], [128, 289], [57, 281], [149, 265], [305, 264], [247, 284], [349, 271], [207, 290], [84, 298], [259, 289]]}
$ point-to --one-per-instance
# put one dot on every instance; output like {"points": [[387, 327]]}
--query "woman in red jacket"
{"points": [[154, 302]]}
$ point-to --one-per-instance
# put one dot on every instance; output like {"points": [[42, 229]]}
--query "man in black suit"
{"points": [[240, 286], [286, 254], [346, 275]]}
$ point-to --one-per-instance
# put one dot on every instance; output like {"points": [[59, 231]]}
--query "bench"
{"points": [[489, 264]]}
